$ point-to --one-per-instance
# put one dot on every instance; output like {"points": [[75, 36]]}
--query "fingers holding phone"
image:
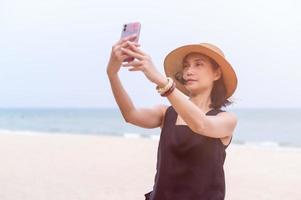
{"points": [[117, 54], [130, 32], [125, 39]]}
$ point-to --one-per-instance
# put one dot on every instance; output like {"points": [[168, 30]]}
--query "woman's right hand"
{"points": [[118, 56]]}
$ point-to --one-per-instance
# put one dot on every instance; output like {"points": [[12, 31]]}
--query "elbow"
{"points": [[129, 120], [126, 119]]}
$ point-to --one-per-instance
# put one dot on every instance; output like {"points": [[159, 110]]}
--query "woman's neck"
{"points": [[202, 100]]}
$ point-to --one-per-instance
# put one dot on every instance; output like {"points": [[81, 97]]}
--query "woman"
{"points": [[195, 131]]}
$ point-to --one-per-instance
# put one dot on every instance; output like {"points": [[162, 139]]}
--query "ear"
{"points": [[217, 73]]}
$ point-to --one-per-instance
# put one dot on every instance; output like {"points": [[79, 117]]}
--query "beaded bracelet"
{"points": [[168, 92], [163, 89]]}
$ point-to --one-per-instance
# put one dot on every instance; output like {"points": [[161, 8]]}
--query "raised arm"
{"points": [[142, 117]]}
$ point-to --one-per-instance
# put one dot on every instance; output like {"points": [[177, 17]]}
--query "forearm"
{"points": [[189, 112], [123, 100]]}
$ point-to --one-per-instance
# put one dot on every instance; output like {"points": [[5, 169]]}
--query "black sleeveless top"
{"points": [[189, 165]]}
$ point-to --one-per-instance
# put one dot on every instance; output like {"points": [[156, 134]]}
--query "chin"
{"points": [[192, 89], [189, 88]]}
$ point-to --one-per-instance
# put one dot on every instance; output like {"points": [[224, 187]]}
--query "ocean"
{"points": [[260, 126]]}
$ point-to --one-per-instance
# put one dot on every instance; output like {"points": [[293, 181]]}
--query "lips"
{"points": [[190, 80]]}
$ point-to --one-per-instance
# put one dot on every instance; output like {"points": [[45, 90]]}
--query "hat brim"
{"points": [[173, 64]]}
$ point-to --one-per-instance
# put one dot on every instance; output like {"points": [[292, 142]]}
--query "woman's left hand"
{"points": [[143, 62]]}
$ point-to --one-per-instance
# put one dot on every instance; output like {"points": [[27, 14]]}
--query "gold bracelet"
{"points": [[163, 89]]}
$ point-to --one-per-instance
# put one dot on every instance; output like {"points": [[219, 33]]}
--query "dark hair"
{"points": [[218, 93]]}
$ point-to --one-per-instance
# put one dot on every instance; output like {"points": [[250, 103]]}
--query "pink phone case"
{"points": [[130, 29]]}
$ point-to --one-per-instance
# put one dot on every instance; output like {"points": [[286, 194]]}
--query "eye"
{"points": [[199, 64]]}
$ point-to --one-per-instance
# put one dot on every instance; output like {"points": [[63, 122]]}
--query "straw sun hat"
{"points": [[173, 64]]}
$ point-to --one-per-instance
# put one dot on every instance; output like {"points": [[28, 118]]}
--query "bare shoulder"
{"points": [[228, 114], [163, 107], [230, 117], [228, 120]]}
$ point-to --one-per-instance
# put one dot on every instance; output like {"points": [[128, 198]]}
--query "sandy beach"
{"points": [[65, 166]]}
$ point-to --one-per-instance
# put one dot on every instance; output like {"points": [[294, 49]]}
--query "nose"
{"points": [[187, 74], [188, 71]]}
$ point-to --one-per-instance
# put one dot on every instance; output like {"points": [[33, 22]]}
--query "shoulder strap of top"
{"points": [[168, 114], [215, 111]]}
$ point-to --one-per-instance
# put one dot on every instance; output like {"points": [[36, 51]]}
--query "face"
{"points": [[199, 73]]}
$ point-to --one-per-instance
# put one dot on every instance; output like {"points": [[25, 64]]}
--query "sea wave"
{"points": [[156, 137]]}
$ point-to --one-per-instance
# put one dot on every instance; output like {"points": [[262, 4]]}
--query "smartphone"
{"points": [[130, 29]]}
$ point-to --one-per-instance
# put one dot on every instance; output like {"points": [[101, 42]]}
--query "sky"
{"points": [[55, 53]]}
